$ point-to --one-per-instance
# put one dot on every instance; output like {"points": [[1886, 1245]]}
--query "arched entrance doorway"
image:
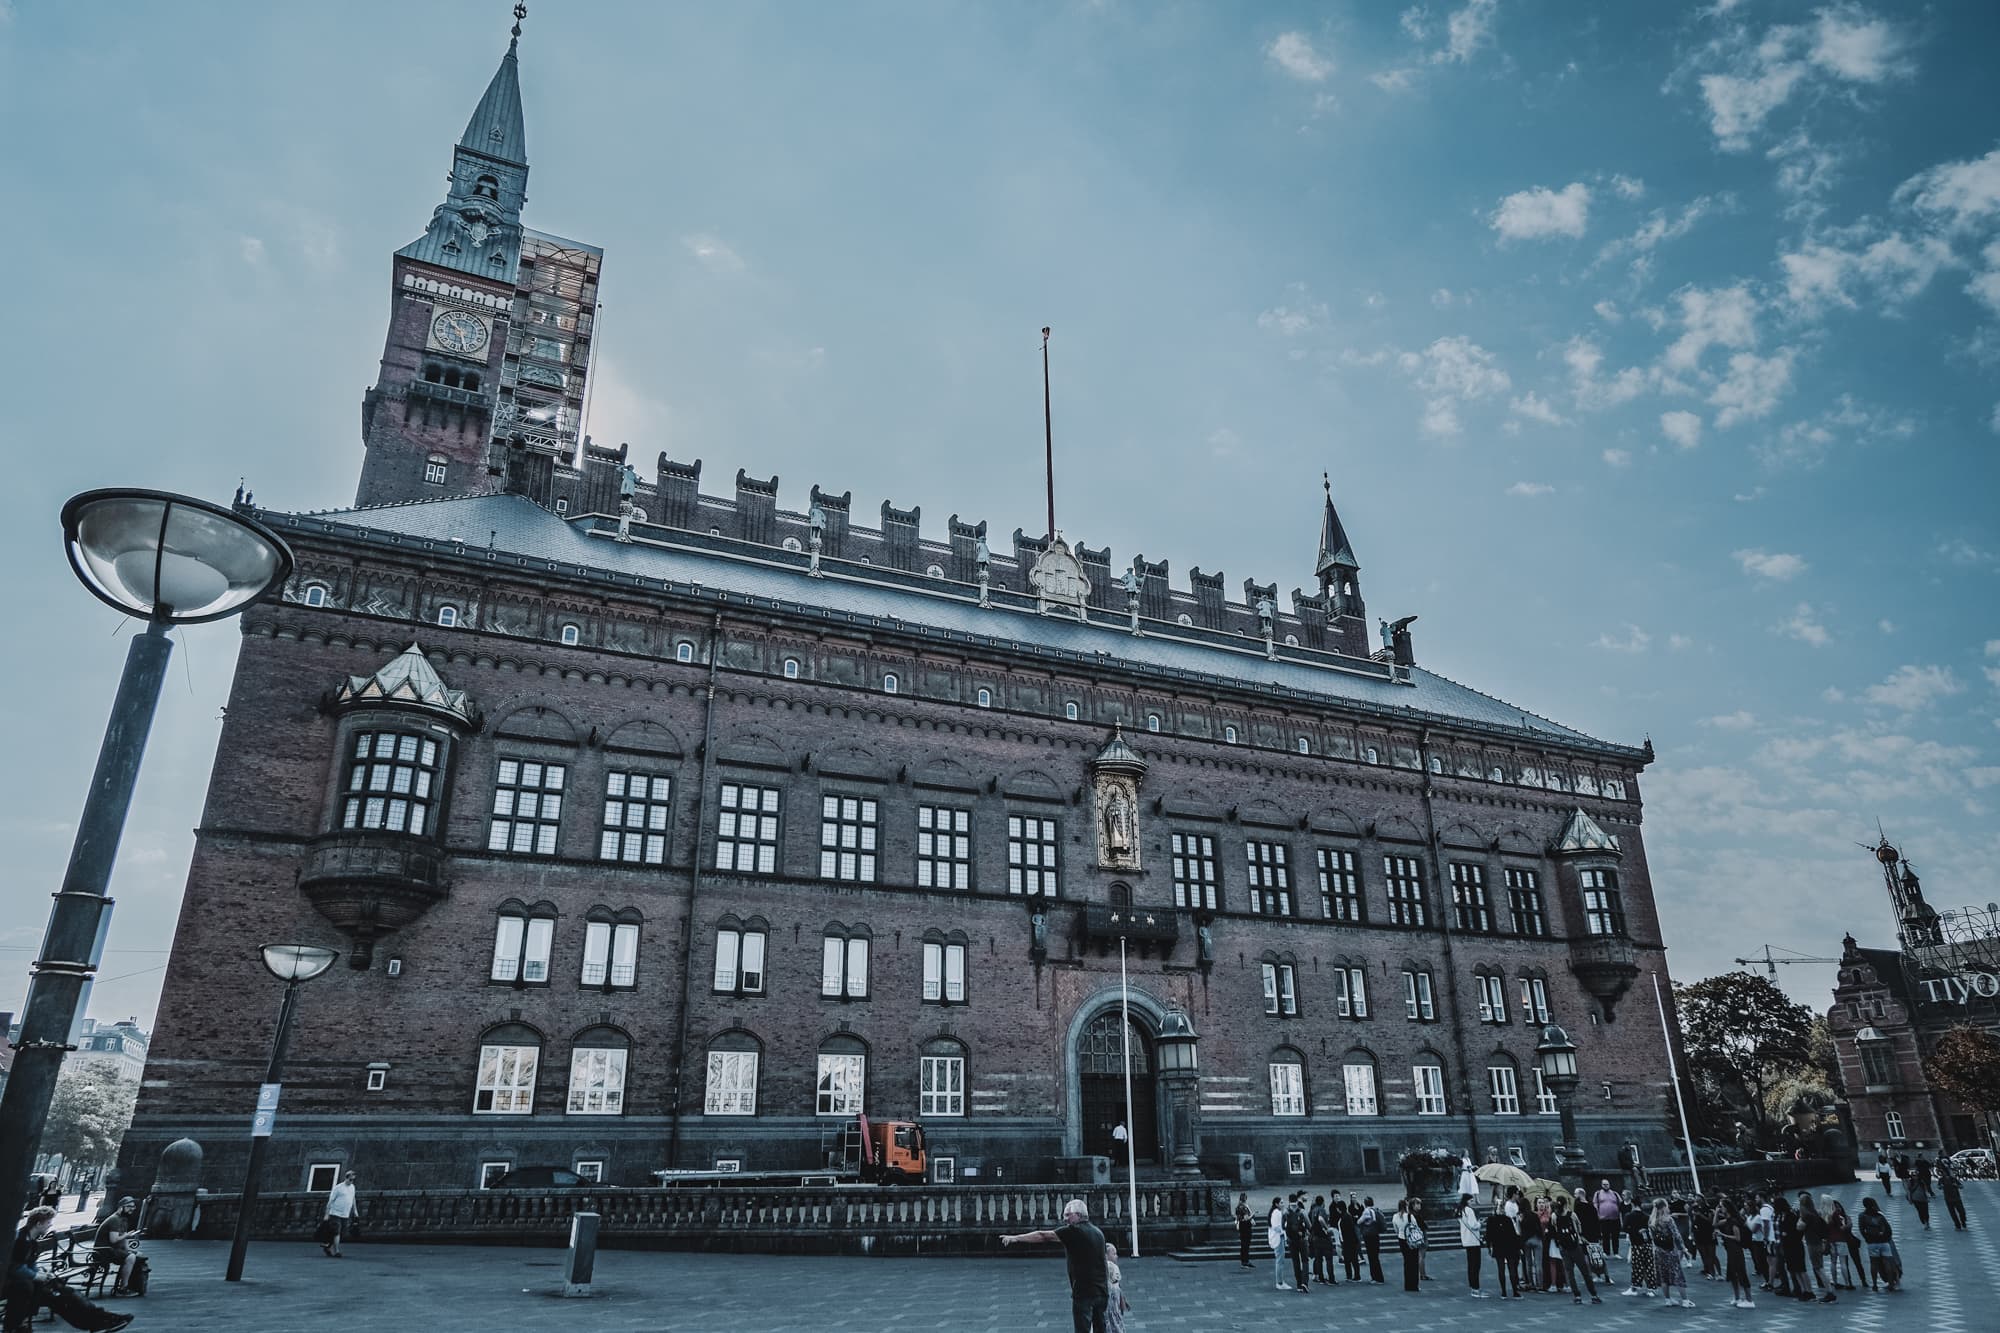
{"points": [[1100, 1067]]}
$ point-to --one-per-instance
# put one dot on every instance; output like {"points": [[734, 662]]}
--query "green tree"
{"points": [[1965, 1066], [88, 1116], [1745, 1039]]}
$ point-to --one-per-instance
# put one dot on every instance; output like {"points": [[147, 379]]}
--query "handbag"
{"points": [[325, 1232]]}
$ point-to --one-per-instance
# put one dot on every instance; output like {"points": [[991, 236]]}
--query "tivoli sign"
{"points": [[1960, 989]]}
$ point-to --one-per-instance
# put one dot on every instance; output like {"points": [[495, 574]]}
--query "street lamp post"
{"points": [[1177, 1060], [168, 560], [293, 964], [1557, 1054]]}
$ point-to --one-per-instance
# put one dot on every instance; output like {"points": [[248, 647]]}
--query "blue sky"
{"points": [[1654, 350]]}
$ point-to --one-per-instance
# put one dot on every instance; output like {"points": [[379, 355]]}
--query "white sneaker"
{"points": [[1284, 1286], [1686, 1304], [1629, 1291], [1478, 1295]]}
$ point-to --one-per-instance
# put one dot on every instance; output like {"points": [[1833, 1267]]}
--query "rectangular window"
{"points": [[1534, 1000], [1505, 1091], [1281, 994], [1603, 913], [590, 1172], [1892, 1123], [739, 962], [1492, 998], [840, 1082], [1360, 1080], [943, 1086], [1339, 885], [1405, 876], [434, 472], [944, 973], [1288, 1088], [1031, 856], [944, 847], [746, 829], [378, 1079], [637, 808], [844, 968], [596, 1081], [1429, 1083], [322, 1176], [732, 1083], [1877, 1067], [1468, 898], [1524, 900], [1417, 997], [1197, 882], [506, 1080], [1350, 991], [521, 948], [491, 1173], [847, 838], [389, 781], [527, 806], [1270, 878], [1545, 1101], [610, 952], [507, 948]]}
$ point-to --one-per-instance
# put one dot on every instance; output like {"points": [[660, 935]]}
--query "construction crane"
{"points": [[1770, 961]]}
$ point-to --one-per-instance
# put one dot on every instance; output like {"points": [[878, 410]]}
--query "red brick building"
{"points": [[660, 828]]}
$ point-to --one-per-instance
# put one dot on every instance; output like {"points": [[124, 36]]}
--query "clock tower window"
{"points": [[434, 469]]}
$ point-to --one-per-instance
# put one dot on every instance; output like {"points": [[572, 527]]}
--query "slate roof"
{"points": [[1582, 834], [516, 526], [497, 128], [407, 678]]}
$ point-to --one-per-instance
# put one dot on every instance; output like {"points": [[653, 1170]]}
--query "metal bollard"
{"points": [[582, 1254]]}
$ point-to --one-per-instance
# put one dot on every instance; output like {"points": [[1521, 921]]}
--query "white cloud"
{"points": [[1441, 298], [1738, 105], [1683, 428], [1618, 457], [1985, 285], [1537, 408], [1394, 80], [1628, 187], [1960, 552], [1849, 43], [1776, 565], [1585, 359], [1531, 489], [1440, 418], [1467, 30], [1993, 422], [1607, 311], [1805, 444], [1224, 443], [1886, 625], [1680, 642], [1538, 213], [1753, 387], [1894, 269], [1960, 193], [1909, 688], [1292, 321], [1635, 640], [1740, 720], [1293, 53], [1717, 316], [1803, 624], [1806, 169], [713, 254], [1452, 370], [1658, 229], [251, 248]]}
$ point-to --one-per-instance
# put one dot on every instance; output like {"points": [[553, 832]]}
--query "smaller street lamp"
{"points": [[1557, 1054], [1175, 1050], [293, 964]]}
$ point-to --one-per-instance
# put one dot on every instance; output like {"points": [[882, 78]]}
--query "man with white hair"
{"points": [[1089, 1282]]}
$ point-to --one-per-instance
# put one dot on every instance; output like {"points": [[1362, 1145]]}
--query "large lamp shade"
{"points": [[1175, 1046], [169, 557], [297, 962], [1558, 1058]]}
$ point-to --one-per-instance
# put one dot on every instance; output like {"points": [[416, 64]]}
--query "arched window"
{"points": [[843, 1076], [597, 1072], [941, 1079], [1281, 985], [934, 571], [792, 544], [1427, 1081], [791, 668], [1436, 764], [843, 973], [1496, 774], [985, 697], [739, 955], [1357, 1071], [1305, 745], [1152, 721], [1288, 1082], [447, 615], [944, 967], [1503, 1085], [509, 1057], [522, 939], [684, 651], [1184, 619], [1069, 711], [1291, 641], [1374, 755], [1229, 735], [570, 635], [315, 594], [610, 948], [732, 1074], [889, 682], [486, 187]]}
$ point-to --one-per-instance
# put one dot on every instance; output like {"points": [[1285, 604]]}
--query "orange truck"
{"points": [[860, 1152]]}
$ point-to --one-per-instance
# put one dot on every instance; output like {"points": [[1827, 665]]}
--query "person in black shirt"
{"points": [[27, 1290], [1089, 1281], [113, 1245], [1243, 1221]]}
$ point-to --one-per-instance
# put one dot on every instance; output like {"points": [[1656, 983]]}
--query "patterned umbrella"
{"points": [[1505, 1176]]}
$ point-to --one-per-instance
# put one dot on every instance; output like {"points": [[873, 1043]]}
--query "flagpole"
{"points": [[1673, 1071], [1125, 1050], [1049, 437]]}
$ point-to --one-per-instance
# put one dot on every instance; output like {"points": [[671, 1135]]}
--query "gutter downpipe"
{"points": [[694, 889], [1443, 877]]}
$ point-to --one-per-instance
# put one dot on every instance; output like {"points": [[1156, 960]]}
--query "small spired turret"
{"points": [[1603, 956], [377, 864]]}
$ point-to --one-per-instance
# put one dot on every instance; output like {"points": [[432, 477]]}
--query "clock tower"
{"points": [[489, 325]]}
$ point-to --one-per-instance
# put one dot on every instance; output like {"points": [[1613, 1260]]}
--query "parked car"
{"points": [[538, 1178], [1974, 1163]]}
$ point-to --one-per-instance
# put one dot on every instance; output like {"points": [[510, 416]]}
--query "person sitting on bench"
{"points": [[113, 1245], [28, 1288]]}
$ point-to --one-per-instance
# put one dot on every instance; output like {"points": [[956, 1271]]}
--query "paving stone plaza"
{"points": [[291, 1286]]}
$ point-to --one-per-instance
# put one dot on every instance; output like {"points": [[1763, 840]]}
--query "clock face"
{"points": [[456, 331]]}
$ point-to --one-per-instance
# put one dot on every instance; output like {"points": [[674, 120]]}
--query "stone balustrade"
{"points": [[924, 1219]]}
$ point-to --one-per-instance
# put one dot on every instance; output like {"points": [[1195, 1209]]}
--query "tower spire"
{"points": [[496, 129], [1335, 552]]}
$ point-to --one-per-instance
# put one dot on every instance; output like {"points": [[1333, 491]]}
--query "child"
{"points": [[1116, 1308]]}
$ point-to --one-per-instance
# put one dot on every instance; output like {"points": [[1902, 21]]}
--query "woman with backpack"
{"points": [[1471, 1234], [1919, 1193], [1880, 1238], [1409, 1233], [1566, 1230], [1669, 1255]]}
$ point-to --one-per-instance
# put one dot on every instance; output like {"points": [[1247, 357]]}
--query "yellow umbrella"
{"points": [[1548, 1189], [1505, 1176]]}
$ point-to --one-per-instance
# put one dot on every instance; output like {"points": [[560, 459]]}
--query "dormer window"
{"points": [[570, 636], [447, 615], [1069, 711], [985, 697], [1152, 721], [1305, 745], [315, 594], [889, 683], [791, 668], [1229, 735], [684, 651]]}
